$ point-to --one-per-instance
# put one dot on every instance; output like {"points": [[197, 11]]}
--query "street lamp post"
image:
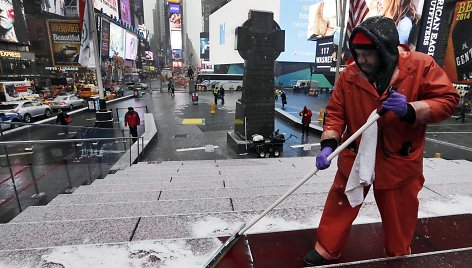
{"points": [[103, 117]]}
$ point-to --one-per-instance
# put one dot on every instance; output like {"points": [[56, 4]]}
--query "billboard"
{"points": [[406, 14], [125, 11], [64, 39], [53, 6], [149, 55], [105, 38], [294, 20], [176, 39], [109, 7], [175, 21], [204, 46], [117, 40], [232, 15], [458, 60], [12, 23], [131, 47], [177, 54], [433, 22], [324, 54]]}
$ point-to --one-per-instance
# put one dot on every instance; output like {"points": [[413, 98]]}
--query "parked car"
{"points": [[66, 102], [117, 90], [138, 85], [9, 117], [27, 109]]}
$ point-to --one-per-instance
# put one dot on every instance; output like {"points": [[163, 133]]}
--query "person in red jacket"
{"points": [[306, 119], [133, 121], [424, 95]]}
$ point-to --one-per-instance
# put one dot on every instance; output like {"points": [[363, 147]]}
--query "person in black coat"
{"points": [[283, 97], [64, 119]]}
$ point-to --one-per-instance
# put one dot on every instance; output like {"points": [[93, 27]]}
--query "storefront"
{"points": [[16, 65]]}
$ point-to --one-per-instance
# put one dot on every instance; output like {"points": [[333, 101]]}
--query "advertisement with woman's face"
{"points": [[12, 22], [405, 13]]}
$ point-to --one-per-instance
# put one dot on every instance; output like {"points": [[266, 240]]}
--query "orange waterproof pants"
{"points": [[398, 209]]}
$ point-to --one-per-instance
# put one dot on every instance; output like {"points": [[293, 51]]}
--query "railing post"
{"points": [[35, 183], [100, 166], [131, 143], [123, 135], [89, 171], [138, 149], [71, 188], [12, 178]]}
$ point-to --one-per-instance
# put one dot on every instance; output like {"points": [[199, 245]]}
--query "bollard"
{"points": [[212, 108], [437, 155], [320, 116]]}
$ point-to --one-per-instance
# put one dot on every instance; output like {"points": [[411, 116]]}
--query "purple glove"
{"points": [[322, 158], [397, 103]]}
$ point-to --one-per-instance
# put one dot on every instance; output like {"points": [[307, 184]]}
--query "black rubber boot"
{"points": [[313, 258]]}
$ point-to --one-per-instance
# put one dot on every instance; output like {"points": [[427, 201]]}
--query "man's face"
{"points": [[368, 60], [7, 15]]}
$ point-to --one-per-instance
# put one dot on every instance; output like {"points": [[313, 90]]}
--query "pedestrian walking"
{"points": [[133, 121], [215, 93], [394, 164], [63, 119], [222, 95], [190, 72], [306, 120], [276, 93], [283, 97]]}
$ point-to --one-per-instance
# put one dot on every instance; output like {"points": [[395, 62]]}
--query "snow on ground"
{"points": [[163, 254]]}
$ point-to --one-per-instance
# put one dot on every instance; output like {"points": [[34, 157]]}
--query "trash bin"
{"points": [[195, 98], [137, 92]]}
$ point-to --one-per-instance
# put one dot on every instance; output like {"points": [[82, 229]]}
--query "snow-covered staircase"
{"points": [[168, 214]]}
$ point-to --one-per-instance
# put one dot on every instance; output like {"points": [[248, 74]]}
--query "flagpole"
{"points": [[96, 53], [341, 10]]}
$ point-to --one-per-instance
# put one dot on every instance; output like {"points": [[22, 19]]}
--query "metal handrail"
{"points": [[6, 143]]}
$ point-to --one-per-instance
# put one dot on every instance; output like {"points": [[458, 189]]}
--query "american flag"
{"points": [[357, 12]]}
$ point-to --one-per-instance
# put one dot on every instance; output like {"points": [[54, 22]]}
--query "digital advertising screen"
{"points": [[13, 24], [204, 46], [177, 54], [53, 6], [109, 7], [406, 14], [105, 38], [64, 39], [294, 20], [176, 39], [175, 21], [149, 55], [174, 8], [232, 15], [131, 47], [125, 11], [458, 60], [117, 40]]}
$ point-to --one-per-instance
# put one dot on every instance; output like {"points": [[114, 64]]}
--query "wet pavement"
{"points": [[179, 140]]}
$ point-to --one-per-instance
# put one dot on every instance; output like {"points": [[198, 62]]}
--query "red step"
{"points": [[436, 244]]}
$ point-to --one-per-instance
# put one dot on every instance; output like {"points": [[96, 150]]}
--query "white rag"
{"points": [[362, 172]]}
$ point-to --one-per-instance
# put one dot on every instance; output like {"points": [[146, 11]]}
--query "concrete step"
{"points": [[121, 210], [117, 185], [58, 233], [26, 235]]}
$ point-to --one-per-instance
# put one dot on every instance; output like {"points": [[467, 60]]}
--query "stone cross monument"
{"points": [[259, 42]]}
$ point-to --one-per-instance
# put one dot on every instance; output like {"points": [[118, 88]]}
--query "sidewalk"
{"points": [[184, 129]]}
